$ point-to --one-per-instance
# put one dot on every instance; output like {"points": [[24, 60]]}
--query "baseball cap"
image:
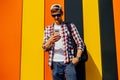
{"points": [[56, 6]]}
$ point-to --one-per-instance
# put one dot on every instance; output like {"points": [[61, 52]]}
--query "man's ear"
{"points": [[62, 13]]}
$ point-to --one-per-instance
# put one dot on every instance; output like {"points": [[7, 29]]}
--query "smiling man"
{"points": [[58, 43]]}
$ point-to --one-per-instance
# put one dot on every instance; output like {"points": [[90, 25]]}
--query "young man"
{"points": [[58, 43]]}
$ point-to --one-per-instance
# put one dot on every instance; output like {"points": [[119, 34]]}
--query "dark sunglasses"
{"points": [[58, 15]]}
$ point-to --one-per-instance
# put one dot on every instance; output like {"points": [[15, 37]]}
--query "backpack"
{"points": [[84, 56]]}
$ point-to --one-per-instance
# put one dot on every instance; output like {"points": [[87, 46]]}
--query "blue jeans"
{"points": [[61, 70]]}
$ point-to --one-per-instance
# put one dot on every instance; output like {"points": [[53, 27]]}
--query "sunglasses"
{"points": [[58, 15]]}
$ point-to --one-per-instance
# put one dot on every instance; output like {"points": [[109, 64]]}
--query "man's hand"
{"points": [[75, 61], [55, 37], [77, 58]]}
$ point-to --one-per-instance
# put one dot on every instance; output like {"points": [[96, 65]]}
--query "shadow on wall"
{"points": [[91, 70]]}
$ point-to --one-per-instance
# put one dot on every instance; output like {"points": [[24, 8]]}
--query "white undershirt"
{"points": [[58, 49]]}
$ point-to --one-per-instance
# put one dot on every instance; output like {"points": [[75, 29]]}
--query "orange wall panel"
{"points": [[116, 8], [10, 39]]}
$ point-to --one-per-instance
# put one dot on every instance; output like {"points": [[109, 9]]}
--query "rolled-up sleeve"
{"points": [[77, 37], [46, 37]]}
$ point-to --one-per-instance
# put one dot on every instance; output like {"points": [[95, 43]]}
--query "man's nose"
{"points": [[56, 17]]}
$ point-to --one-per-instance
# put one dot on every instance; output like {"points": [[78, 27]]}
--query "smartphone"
{"points": [[56, 30]]}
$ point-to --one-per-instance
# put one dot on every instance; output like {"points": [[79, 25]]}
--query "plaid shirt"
{"points": [[67, 44]]}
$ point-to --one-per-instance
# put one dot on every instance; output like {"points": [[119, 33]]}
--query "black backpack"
{"points": [[84, 56]]}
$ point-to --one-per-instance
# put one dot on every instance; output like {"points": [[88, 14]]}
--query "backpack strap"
{"points": [[68, 24]]}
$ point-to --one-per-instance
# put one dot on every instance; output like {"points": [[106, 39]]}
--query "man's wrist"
{"points": [[50, 41], [78, 57]]}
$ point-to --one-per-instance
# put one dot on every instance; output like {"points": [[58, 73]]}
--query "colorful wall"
{"points": [[21, 35]]}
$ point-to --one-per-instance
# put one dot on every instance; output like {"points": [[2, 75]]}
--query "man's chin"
{"points": [[57, 22]]}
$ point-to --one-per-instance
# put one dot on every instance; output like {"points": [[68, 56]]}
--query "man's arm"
{"points": [[78, 56], [47, 43], [79, 53], [79, 42]]}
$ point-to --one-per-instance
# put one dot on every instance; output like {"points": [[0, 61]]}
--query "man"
{"points": [[58, 43]]}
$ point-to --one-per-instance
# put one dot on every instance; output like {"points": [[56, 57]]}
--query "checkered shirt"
{"points": [[67, 44]]}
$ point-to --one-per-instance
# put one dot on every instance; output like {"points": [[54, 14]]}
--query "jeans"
{"points": [[61, 70]]}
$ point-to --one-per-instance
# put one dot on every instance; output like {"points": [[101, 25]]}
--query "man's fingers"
{"points": [[56, 35], [71, 59]]}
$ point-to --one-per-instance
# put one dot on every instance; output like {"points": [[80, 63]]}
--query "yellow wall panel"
{"points": [[92, 39], [32, 57]]}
